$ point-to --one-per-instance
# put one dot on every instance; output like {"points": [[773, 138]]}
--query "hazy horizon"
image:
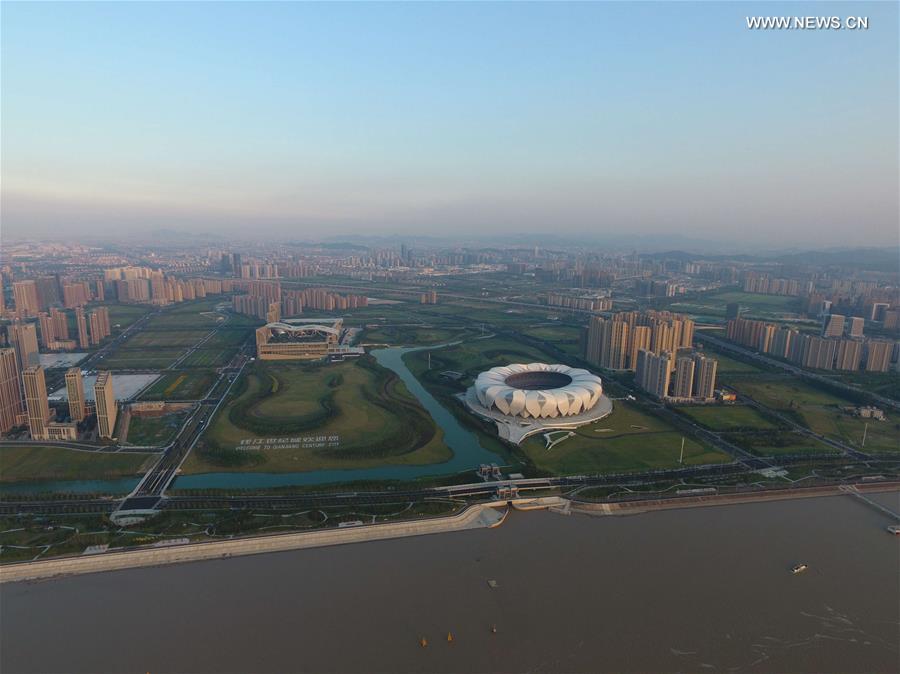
{"points": [[303, 121]]}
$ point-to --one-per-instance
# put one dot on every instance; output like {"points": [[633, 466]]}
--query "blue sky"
{"points": [[583, 119]]}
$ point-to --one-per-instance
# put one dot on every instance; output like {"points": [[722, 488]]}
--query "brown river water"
{"points": [[701, 590]]}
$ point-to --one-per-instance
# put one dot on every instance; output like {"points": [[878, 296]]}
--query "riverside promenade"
{"points": [[473, 517]]}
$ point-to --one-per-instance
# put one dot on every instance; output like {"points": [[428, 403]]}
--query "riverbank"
{"points": [[473, 517], [483, 515]]}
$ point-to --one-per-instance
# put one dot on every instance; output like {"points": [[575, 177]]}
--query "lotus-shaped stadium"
{"points": [[538, 390]]}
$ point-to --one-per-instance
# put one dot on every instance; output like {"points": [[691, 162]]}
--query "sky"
{"points": [[584, 120]]}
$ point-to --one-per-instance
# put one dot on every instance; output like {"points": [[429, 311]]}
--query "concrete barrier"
{"points": [[473, 517]]}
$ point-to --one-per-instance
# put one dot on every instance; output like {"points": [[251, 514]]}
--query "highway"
{"points": [[476, 490]]}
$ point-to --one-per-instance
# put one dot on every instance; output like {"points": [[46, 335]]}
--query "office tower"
{"points": [[833, 325], [36, 405], [75, 392], [23, 338], [26, 296], [684, 377], [732, 310], [704, 377], [105, 400], [81, 323], [857, 326], [878, 355], [60, 323], [48, 330], [11, 404]]}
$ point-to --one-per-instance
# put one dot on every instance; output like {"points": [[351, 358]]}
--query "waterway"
{"points": [[468, 452], [693, 590]]}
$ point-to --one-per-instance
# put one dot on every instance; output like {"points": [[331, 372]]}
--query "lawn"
{"points": [[122, 314], [20, 464], [778, 443], [625, 441], [165, 338], [564, 337], [727, 417], [140, 359], [823, 413], [180, 386], [209, 358], [409, 335], [155, 431], [300, 417]]}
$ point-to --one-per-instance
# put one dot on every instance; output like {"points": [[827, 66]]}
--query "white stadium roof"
{"points": [[538, 390]]}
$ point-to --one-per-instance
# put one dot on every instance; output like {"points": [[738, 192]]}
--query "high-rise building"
{"points": [[704, 377], [857, 325], [48, 330], [75, 391], [849, 354], [60, 324], [81, 323], [833, 325], [684, 377], [607, 342], [23, 338], [878, 355], [105, 400], [654, 372], [36, 405], [12, 406], [26, 296]]}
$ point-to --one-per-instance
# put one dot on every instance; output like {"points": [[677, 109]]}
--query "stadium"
{"points": [[524, 399], [301, 339]]}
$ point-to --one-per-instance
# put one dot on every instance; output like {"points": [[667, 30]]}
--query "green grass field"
{"points": [[365, 414], [165, 338], [627, 440], [568, 338], [180, 386], [727, 417], [122, 314], [154, 431], [409, 335], [205, 358], [21, 464], [140, 359], [778, 443], [823, 412]]}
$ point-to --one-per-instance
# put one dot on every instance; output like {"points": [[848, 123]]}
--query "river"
{"points": [[693, 590]]}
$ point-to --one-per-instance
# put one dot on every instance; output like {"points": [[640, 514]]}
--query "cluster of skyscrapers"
{"points": [[268, 301], [830, 350], [614, 342], [24, 400], [680, 378], [583, 302], [656, 345]]}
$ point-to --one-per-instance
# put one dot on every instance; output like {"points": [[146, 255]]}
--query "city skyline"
{"points": [[297, 120]]}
